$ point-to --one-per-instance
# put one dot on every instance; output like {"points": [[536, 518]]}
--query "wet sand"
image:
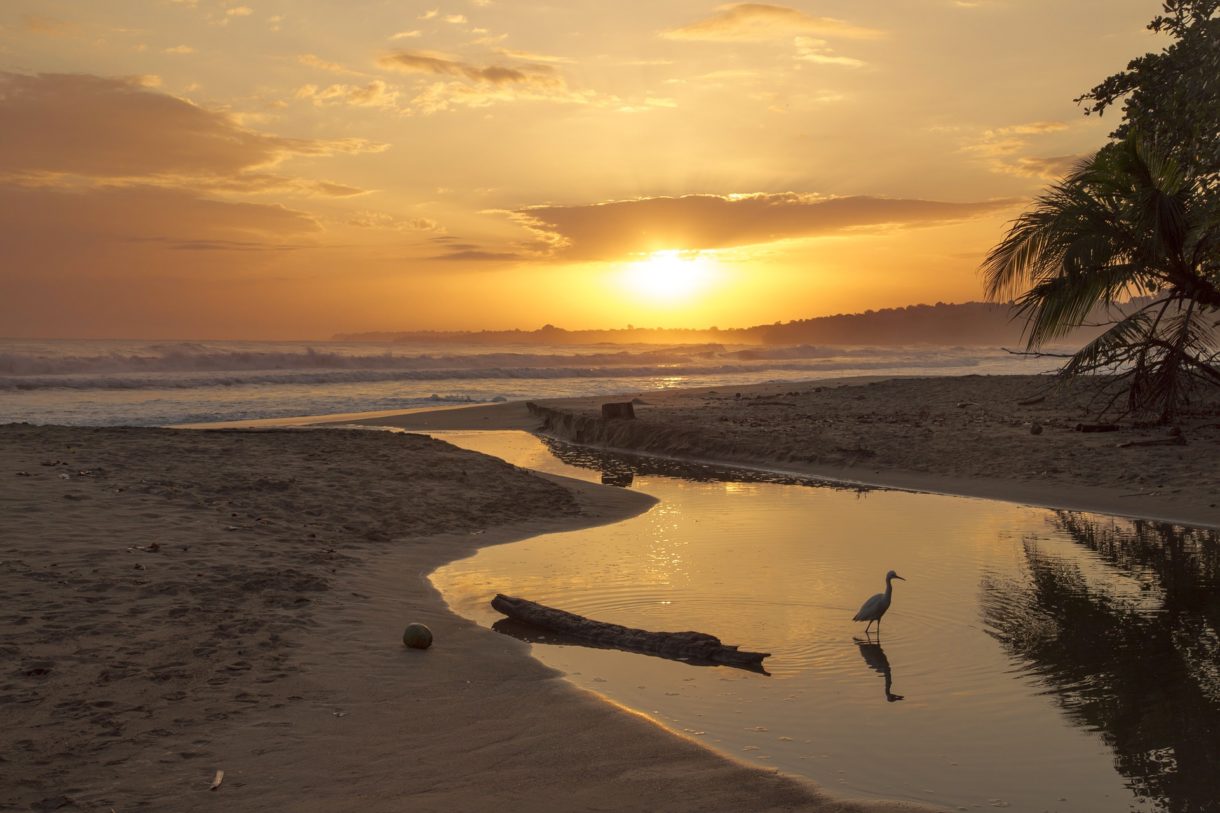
{"points": [[174, 604]]}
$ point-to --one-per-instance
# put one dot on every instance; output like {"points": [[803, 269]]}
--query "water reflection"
{"points": [[1129, 649], [618, 475], [620, 468], [874, 656], [1092, 686]]}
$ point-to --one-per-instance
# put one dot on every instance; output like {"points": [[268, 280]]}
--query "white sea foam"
{"points": [[131, 382]]}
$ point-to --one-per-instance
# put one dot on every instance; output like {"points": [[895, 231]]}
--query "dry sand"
{"points": [[174, 604]]}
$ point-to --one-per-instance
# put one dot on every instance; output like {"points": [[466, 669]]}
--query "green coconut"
{"points": [[417, 636]]}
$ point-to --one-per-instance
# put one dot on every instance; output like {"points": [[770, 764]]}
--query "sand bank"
{"points": [[173, 604], [967, 435]]}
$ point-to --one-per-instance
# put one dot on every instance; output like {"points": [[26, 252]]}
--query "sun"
{"points": [[666, 277]]}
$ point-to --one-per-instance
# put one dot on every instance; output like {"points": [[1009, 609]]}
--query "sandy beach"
{"points": [[179, 604]]}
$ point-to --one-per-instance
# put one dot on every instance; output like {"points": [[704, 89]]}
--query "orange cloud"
{"points": [[315, 61], [103, 178], [61, 223], [482, 85], [47, 26], [758, 22], [1049, 168], [375, 94], [620, 228], [440, 65], [112, 128], [1005, 150]]}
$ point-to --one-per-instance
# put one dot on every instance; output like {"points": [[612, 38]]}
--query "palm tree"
{"points": [[1127, 235]]}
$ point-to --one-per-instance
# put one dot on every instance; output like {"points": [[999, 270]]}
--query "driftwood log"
{"points": [[693, 647], [1097, 427], [1176, 440]]}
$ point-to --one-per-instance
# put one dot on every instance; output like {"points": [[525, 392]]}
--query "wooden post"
{"points": [[619, 410]]}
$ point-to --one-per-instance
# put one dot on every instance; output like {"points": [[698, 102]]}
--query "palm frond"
{"points": [[1110, 348], [1055, 306]]}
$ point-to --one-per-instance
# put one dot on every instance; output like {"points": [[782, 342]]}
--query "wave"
{"points": [[195, 358], [126, 378]]}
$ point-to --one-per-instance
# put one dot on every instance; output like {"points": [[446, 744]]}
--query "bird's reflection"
{"points": [[874, 656]]}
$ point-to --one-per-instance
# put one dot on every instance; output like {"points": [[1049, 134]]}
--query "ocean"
{"points": [[158, 383]]}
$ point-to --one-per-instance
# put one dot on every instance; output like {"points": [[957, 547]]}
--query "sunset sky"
{"points": [[275, 169]]}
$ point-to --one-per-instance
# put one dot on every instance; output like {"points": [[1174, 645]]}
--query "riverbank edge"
{"points": [[608, 435], [559, 419]]}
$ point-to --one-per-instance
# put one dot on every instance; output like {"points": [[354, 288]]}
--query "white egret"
{"points": [[876, 606]]}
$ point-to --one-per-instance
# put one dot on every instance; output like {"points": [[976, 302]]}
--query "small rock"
{"points": [[1035, 428]]}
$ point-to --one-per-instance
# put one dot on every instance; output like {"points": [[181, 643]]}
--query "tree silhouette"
{"points": [[1140, 219], [1127, 223]]}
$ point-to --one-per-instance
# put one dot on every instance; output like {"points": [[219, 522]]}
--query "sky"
{"points": [[283, 169]]}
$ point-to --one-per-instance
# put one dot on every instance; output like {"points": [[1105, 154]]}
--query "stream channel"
{"points": [[1034, 660]]}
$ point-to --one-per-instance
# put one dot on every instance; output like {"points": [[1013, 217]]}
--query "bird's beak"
{"points": [[896, 576]]}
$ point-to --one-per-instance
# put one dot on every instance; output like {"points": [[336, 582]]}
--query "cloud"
{"points": [[270, 184], [369, 219], [531, 56], [457, 249], [179, 49], [1029, 128], [1005, 150], [73, 221], [482, 85], [407, 35], [375, 94], [315, 61], [479, 255], [758, 22], [810, 49], [239, 11], [106, 128], [444, 96], [621, 228], [102, 177], [1048, 168], [48, 26], [427, 62]]}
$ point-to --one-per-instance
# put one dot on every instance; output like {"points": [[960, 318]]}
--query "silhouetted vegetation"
{"points": [[1173, 97], [1138, 220]]}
